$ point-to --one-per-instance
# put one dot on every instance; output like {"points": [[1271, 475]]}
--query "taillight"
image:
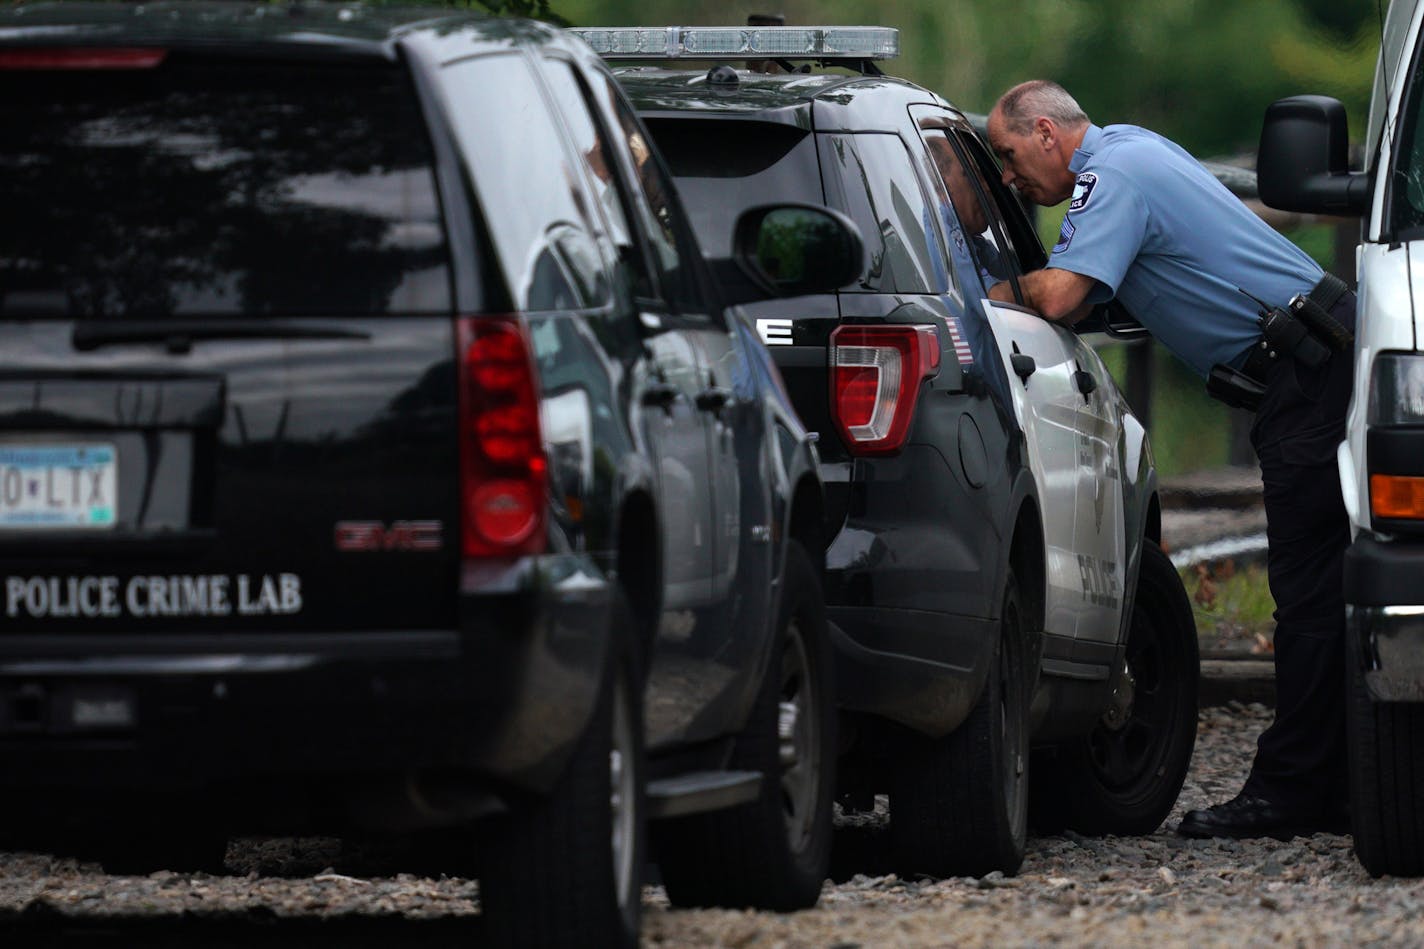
{"points": [[876, 373], [80, 57], [503, 472], [1397, 496]]}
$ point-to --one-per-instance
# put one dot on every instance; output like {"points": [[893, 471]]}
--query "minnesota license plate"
{"points": [[58, 486]]}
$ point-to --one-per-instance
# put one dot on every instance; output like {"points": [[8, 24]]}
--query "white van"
{"points": [[1303, 166]]}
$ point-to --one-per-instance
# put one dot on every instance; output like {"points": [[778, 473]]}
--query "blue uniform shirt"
{"points": [[1159, 232]]}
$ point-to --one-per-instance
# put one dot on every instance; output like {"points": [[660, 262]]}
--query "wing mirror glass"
{"points": [[791, 249]]}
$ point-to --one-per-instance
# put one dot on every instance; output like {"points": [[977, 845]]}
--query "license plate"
{"points": [[59, 486]]}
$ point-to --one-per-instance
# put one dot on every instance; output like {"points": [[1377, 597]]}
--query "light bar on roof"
{"points": [[774, 42]]}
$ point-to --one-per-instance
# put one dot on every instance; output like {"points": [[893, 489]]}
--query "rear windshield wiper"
{"points": [[179, 335]]}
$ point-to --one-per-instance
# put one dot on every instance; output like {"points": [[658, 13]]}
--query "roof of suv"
{"points": [[862, 103], [348, 29]]}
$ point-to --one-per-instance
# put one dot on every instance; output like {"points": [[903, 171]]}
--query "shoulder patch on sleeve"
{"points": [[1065, 235], [1083, 190]]}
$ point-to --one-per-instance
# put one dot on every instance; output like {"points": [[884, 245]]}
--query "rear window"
{"points": [[872, 178], [217, 187], [724, 167]]}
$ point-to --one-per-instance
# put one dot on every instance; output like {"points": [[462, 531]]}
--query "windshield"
{"points": [[217, 187], [1407, 184]]}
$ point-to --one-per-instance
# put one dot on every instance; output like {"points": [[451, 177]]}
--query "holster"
{"points": [[1234, 388], [1313, 310]]}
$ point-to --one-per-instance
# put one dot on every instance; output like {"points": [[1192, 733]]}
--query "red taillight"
{"points": [[80, 57], [876, 373], [503, 474]]}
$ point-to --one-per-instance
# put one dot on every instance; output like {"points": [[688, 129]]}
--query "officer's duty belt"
{"points": [[1261, 362], [1314, 310], [1304, 329]]}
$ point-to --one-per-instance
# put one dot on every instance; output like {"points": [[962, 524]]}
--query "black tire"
{"points": [[959, 804], [772, 853], [1124, 777], [566, 869], [1386, 754]]}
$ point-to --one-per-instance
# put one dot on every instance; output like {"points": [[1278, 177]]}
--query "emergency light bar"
{"points": [[771, 42]]}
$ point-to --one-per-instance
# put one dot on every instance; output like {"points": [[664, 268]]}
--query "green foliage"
{"points": [[1341, 18], [1233, 608], [779, 249], [1189, 429], [1317, 240], [532, 9]]}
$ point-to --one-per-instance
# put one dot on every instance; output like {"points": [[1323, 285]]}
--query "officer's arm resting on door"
{"points": [[1060, 296]]}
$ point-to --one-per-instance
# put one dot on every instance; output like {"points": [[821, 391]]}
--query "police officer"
{"points": [[1147, 224]]}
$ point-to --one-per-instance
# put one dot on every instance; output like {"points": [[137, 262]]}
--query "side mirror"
{"points": [[791, 249], [1303, 160], [1113, 319]]}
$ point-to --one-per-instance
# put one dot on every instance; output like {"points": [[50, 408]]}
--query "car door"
{"points": [[1043, 366], [1046, 401], [674, 430], [1099, 531], [695, 669]]}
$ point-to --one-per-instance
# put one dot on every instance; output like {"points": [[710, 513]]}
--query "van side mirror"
{"points": [[782, 250], [1303, 160]]}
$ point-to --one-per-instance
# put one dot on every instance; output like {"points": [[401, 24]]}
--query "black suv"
{"points": [[994, 577], [377, 453]]}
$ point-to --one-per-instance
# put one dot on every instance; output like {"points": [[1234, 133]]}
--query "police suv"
{"points": [[1303, 165], [995, 580], [377, 453]]}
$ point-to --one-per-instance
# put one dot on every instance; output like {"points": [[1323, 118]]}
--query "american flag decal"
{"points": [[961, 345]]}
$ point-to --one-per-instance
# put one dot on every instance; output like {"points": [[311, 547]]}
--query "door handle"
{"points": [[713, 398], [660, 395], [1023, 364]]}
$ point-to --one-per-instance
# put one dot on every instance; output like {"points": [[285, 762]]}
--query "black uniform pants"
{"points": [[1300, 758]]}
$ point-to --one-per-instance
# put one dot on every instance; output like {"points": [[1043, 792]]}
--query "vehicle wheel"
{"points": [[959, 804], [566, 869], [1124, 777], [774, 852], [1386, 753]]}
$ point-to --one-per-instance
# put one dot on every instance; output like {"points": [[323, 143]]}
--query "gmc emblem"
{"points": [[368, 536]]}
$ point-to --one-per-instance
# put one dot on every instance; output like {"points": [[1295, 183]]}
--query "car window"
{"points": [[876, 184], [672, 247], [212, 187], [973, 237], [524, 172], [722, 168], [591, 143], [1022, 240]]}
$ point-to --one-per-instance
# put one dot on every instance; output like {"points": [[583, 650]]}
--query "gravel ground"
{"points": [[1071, 890]]}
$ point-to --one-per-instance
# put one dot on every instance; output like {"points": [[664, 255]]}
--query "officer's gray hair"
{"points": [[1028, 100]]}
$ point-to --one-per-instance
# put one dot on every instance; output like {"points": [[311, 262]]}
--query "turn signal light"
{"points": [[503, 471], [876, 373], [1397, 496]]}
